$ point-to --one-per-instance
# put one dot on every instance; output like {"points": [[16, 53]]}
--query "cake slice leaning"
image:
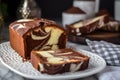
{"points": [[87, 26], [59, 61]]}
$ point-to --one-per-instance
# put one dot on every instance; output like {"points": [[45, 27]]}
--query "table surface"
{"points": [[6, 74]]}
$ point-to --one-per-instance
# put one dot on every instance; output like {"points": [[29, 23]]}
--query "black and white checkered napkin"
{"points": [[109, 51]]}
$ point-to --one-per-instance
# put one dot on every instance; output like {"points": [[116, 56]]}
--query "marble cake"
{"points": [[42, 34], [59, 61], [87, 26]]}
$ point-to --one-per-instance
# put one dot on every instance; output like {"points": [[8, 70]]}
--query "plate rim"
{"points": [[57, 77]]}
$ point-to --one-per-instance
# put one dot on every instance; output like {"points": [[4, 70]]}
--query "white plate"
{"points": [[14, 62]]}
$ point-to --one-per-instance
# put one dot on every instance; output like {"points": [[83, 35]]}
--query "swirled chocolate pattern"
{"points": [[40, 34], [59, 61]]}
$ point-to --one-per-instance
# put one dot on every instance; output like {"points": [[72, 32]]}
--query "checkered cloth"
{"points": [[110, 52]]}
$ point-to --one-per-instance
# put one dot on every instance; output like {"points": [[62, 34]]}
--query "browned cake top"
{"points": [[24, 25], [61, 56]]}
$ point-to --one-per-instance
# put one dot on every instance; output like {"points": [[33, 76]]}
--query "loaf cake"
{"points": [[59, 61], [87, 26], [42, 34]]}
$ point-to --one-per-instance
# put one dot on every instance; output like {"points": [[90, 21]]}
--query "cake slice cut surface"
{"points": [[59, 61]]}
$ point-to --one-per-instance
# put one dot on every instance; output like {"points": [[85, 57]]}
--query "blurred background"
{"points": [[50, 9]]}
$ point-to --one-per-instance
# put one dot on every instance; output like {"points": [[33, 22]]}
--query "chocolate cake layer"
{"points": [[28, 34], [59, 61]]}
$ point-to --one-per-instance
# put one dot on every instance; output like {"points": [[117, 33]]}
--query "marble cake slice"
{"points": [[87, 26], [59, 61]]}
